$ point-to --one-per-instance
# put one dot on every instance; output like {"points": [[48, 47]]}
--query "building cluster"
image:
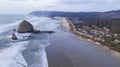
{"points": [[102, 34]]}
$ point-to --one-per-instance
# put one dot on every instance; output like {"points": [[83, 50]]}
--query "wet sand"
{"points": [[67, 50]]}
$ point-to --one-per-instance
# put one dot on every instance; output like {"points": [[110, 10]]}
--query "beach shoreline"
{"points": [[87, 38], [66, 51], [57, 58]]}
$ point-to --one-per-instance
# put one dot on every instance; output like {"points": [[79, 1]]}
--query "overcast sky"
{"points": [[26, 6]]}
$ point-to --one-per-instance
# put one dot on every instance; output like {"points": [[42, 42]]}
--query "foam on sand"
{"points": [[12, 56]]}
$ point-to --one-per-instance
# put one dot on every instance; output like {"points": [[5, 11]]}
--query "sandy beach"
{"points": [[66, 50]]}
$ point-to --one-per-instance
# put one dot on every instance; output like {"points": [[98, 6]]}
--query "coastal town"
{"points": [[59, 33], [101, 35]]}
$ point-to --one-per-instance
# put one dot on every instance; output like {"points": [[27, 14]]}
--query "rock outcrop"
{"points": [[14, 37], [25, 27]]}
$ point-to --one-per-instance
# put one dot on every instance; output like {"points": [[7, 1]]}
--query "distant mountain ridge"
{"points": [[108, 14]]}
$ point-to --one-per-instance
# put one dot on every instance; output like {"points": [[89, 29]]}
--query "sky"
{"points": [[27, 6]]}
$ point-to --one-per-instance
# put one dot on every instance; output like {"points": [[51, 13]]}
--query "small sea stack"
{"points": [[25, 27], [14, 37]]}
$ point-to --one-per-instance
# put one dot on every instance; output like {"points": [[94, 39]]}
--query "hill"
{"points": [[108, 14]]}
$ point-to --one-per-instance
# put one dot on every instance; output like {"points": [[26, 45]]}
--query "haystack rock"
{"points": [[25, 27]]}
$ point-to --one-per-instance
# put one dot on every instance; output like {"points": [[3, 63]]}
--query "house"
{"points": [[117, 41]]}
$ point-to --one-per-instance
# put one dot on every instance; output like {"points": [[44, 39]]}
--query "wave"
{"points": [[7, 27], [12, 56], [44, 23], [26, 52]]}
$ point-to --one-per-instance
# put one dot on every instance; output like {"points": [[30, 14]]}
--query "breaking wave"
{"points": [[26, 52]]}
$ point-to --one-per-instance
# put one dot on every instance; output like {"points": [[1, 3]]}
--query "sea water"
{"points": [[24, 52]]}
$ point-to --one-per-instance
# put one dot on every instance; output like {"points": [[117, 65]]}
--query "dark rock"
{"points": [[14, 30], [37, 31], [14, 37], [49, 32], [25, 27], [42, 32]]}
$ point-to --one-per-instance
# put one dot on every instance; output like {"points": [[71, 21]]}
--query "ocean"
{"points": [[24, 52], [61, 49]]}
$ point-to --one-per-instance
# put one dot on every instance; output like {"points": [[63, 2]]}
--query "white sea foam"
{"points": [[9, 27], [44, 23], [12, 56], [37, 49]]}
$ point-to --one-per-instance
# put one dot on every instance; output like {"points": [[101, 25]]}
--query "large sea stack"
{"points": [[25, 27]]}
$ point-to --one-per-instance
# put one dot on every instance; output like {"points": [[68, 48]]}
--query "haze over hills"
{"points": [[108, 14]]}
